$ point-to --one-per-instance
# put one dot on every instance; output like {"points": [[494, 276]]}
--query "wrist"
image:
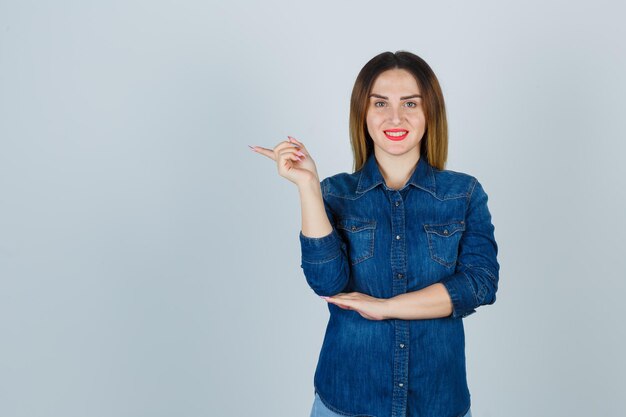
{"points": [[310, 186], [388, 308]]}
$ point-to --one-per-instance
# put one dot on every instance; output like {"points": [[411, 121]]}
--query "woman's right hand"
{"points": [[293, 161]]}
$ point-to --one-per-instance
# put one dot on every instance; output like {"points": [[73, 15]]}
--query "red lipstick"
{"points": [[396, 138]]}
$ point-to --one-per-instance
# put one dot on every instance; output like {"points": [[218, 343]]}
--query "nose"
{"points": [[395, 115]]}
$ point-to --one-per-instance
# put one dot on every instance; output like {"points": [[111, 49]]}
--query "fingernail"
{"points": [[252, 147], [299, 153], [299, 159]]}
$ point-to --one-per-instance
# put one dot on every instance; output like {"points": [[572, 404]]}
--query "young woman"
{"points": [[402, 250]]}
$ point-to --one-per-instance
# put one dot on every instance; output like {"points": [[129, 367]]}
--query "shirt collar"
{"points": [[422, 177]]}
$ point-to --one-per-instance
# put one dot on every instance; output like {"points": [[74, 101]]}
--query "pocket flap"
{"points": [[355, 225], [445, 230]]}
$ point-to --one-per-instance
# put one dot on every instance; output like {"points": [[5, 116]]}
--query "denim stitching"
{"points": [[430, 239], [487, 270], [480, 297], [369, 233], [369, 224], [334, 410], [455, 226], [322, 260], [469, 196], [431, 173], [370, 252], [471, 286], [440, 198]]}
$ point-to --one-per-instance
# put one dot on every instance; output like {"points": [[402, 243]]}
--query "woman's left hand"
{"points": [[371, 308]]}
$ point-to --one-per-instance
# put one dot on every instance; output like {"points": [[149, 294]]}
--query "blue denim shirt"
{"points": [[387, 242]]}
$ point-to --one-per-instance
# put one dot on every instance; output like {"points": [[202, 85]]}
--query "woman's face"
{"points": [[395, 105]]}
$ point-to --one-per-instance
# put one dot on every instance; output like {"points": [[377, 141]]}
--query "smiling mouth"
{"points": [[396, 134]]}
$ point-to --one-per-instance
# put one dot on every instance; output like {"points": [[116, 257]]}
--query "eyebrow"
{"points": [[401, 98]]}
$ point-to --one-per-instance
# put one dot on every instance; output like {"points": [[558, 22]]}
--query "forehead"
{"points": [[395, 81]]}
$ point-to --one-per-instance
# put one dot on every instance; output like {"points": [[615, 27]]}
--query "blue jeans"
{"points": [[320, 410]]}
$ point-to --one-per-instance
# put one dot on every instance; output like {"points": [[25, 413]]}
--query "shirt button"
{"points": [[402, 345], [353, 228], [397, 203], [445, 232], [400, 275], [400, 384], [397, 237]]}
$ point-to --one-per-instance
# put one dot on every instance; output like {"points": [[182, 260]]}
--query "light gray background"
{"points": [[150, 262]]}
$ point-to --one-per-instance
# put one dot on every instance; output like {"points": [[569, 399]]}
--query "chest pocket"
{"points": [[359, 236], [443, 241]]}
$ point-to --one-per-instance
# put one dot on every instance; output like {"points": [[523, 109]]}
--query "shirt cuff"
{"points": [[320, 249], [461, 294]]}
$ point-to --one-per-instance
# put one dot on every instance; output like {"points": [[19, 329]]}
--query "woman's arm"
{"points": [[315, 222], [431, 302], [428, 303], [324, 259]]}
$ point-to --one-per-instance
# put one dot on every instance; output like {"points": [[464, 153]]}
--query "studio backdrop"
{"points": [[150, 263]]}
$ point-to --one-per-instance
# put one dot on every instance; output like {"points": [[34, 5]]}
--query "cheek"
{"points": [[370, 123], [373, 120], [418, 120]]}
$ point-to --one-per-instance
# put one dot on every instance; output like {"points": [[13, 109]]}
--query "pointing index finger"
{"points": [[263, 151]]}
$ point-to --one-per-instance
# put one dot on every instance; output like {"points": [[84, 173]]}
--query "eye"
{"points": [[414, 104], [376, 104]]}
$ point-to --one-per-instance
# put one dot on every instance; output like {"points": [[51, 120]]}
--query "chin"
{"points": [[400, 146], [397, 152]]}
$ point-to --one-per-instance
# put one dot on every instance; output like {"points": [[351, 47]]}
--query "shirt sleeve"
{"points": [[475, 280], [324, 259]]}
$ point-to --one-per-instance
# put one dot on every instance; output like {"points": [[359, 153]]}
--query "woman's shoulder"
{"points": [[451, 183], [341, 184]]}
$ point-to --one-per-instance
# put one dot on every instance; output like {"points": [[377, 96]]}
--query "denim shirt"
{"points": [[387, 242]]}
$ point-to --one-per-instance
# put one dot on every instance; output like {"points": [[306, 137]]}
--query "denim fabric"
{"points": [[320, 410], [387, 242]]}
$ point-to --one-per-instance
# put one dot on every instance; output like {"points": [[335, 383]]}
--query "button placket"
{"points": [[399, 278]]}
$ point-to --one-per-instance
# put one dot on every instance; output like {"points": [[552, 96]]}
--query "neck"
{"points": [[396, 170]]}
